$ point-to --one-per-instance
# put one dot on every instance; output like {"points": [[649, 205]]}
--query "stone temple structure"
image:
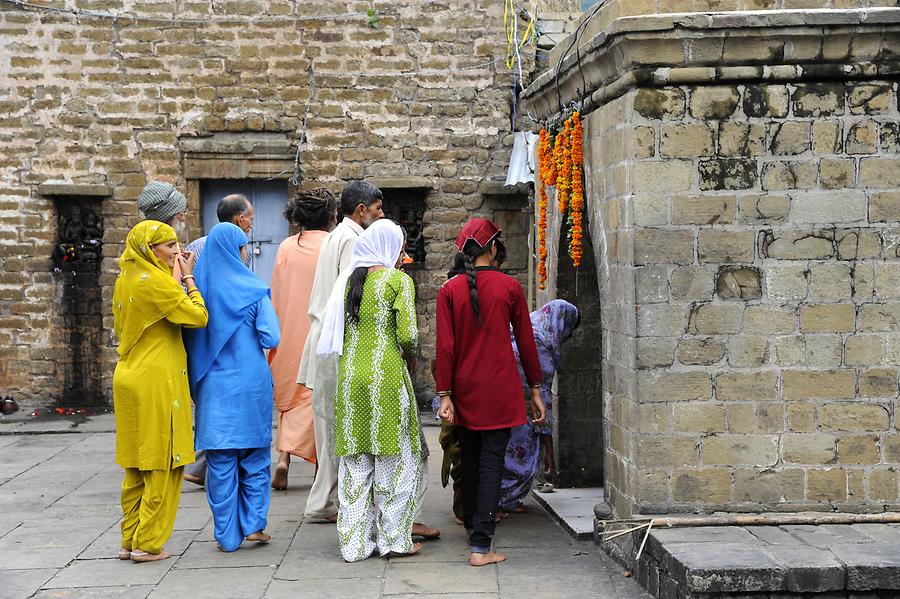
{"points": [[742, 172], [97, 98]]}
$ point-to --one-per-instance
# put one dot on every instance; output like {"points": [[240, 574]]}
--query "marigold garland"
{"points": [[546, 173], [576, 218], [563, 167]]}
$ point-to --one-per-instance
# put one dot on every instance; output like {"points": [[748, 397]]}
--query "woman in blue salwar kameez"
{"points": [[232, 388]]}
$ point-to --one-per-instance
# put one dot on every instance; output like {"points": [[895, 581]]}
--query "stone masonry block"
{"points": [[746, 386], [663, 176], [789, 138], [659, 451], [747, 351], [879, 317], [801, 417], [739, 283], [862, 138], [702, 209], [727, 173], [858, 244], [818, 384], [879, 173], [741, 418], [837, 173], [649, 209], [715, 319], [717, 246], [853, 417], [797, 244], [665, 103], [736, 450], [673, 386], [689, 140], [863, 350], [829, 207], [768, 320], [766, 101], [787, 283], [663, 246], [692, 283], [660, 320], [827, 137], [890, 138], [830, 281], [714, 102], [761, 209], [818, 99], [827, 318], [870, 98], [811, 448], [651, 284], [654, 352], [700, 352], [754, 485], [693, 417], [878, 382], [827, 484], [858, 449], [709, 485], [785, 175], [738, 139], [883, 485], [888, 276], [884, 207]]}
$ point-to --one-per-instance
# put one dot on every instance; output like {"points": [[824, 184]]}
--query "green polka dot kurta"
{"points": [[368, 414]]}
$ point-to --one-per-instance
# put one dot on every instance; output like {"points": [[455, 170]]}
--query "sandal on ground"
{"points": [[415, 549], [545, 488], [124, 554], [142, 556], [259, 536], [426, 532], [280, 480]]}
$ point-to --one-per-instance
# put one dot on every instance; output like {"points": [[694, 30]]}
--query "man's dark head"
{"points": [[362, 202], [236, 209]]}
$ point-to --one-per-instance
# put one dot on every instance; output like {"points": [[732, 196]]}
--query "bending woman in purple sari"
{"points": [[553, 324]]}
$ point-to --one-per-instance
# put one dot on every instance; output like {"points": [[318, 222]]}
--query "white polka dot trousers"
{"points": [[378, 497]]}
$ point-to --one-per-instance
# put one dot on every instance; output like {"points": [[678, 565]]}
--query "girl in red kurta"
{"points": [[477, 376]]}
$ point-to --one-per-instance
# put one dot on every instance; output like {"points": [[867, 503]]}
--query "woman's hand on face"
{"points": [[446, 410], [186, 261], [538, 410]]}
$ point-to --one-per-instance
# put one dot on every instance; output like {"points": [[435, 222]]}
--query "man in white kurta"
{"points": [[361, 203]]}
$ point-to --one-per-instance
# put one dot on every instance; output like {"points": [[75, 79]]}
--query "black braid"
{"points": [[354, 293], [469, 264]]}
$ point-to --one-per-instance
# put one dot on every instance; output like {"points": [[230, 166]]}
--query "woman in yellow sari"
{"points": [[154, 437]]}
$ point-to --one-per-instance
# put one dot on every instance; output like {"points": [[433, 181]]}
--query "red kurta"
{"points": [[476, 362]]}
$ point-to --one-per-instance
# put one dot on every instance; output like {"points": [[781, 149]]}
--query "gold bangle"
{"points": [[443, 393], [186, 277]]}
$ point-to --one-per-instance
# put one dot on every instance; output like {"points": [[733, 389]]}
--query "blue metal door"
{"points": [[269, 226]]}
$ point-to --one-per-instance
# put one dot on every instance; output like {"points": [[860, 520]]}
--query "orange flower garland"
{"points": [[576, 234], [545, 160], [563, 167]]}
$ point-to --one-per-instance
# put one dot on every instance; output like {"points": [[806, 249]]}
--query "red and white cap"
{"points": [[480, 230]]}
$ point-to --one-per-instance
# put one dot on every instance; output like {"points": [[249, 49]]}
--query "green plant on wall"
{"points": [[372, 19]]}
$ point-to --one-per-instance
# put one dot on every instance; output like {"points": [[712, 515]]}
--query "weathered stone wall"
{"points": [[115, 102], [743, 210]]}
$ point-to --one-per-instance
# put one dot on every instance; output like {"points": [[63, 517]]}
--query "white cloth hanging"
{"points": [[379, 245], [521, 161]]}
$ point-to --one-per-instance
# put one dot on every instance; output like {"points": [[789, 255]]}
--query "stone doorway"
{"points": [[578, 406]]}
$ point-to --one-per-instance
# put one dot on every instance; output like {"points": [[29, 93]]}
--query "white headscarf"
{"points": [[379, 245]]}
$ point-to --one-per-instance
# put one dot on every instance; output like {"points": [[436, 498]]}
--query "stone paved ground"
{"points": [[59, 517]]}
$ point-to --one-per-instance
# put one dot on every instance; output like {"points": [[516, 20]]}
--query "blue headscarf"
{"points": [[229, 290]]}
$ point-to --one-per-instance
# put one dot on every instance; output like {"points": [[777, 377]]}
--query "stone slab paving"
{"points": [[59, 518]]}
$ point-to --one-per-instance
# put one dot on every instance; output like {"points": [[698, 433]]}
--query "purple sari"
{"points": [[553, 324]]}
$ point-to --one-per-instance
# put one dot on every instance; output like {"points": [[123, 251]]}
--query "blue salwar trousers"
{"points": [[237, 488]]}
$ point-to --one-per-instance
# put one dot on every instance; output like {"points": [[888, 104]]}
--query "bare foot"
{"points": [[332, 519], [422, 530], [259, 536], [457, 521], [519, 509], [142, 556], [415, 549], [194, 479], [483, 559], [124, 553], [280, 480]]}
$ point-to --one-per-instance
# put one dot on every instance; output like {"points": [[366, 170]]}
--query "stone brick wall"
{"points": [[743, 209], [116, 101]]}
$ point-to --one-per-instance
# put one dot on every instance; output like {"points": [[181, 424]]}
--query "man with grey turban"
{"points": [[161, 201]]}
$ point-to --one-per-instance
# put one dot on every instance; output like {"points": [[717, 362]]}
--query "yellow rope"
{"points": [[510, 26]]}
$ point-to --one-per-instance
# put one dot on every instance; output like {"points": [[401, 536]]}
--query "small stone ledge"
{"points": [[402, 182], [703, 48], [81, 190], [859, 560]]}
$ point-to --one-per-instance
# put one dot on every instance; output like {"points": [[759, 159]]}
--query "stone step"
{"points": [[763, 562]]}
